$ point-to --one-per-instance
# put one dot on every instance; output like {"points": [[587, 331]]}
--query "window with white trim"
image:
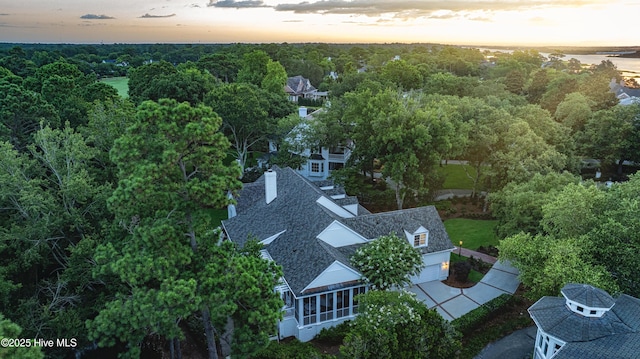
{"points": [[317, 167], [342, 303], [419, 239], [356, 291], [326, 306], [309, 307]]}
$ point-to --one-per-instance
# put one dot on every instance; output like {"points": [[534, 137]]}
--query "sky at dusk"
{"points": [[483, 22]]}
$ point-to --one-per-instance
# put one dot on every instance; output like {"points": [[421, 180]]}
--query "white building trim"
{"points": [[338, 235], [333, 207], [335, 273], [272, 238]]}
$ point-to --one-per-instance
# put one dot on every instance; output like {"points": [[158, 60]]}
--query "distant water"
{"points": [[629, 67]]}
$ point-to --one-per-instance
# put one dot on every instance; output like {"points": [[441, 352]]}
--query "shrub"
{"points": [[490, 250], [334, 335], [443, 205], [478, 264], [461, 271], [397, 325], [468, 322], [293, 349]]}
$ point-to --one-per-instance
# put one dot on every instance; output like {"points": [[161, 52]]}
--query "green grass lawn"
{"points": [[216, 216], [456, 177], [472, 232], [119, 83]]}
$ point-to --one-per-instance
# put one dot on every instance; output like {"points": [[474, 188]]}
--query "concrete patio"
{"points": [[453, 303]]}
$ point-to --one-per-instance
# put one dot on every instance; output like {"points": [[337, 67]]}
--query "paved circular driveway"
{"points": [[453, 303]]}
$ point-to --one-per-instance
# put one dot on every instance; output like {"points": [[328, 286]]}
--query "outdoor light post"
{"points": [[460, 249]]}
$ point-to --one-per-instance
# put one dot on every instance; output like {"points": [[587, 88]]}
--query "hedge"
{"points": [[468, 322]]}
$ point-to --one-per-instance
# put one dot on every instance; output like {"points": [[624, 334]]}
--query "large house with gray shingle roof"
{"points": [[586, 323], [311, 229]]}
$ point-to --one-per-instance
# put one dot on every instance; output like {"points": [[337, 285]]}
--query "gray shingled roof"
{"points": [[295, 211], [380, 224], [614, 335], [588, 295], [552, 315], [623, 346], [347, 201], [298, 85]]}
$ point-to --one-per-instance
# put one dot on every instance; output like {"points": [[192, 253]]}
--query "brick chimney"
{"points": [[270, 186]]}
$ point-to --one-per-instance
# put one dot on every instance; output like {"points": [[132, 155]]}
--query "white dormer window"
{"points": [[317, 167], [420, 239]]}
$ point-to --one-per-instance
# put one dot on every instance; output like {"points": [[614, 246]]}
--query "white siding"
{"points": [[338, 235], [428, 274], [353, 208], [272, 238], [436, 267]]}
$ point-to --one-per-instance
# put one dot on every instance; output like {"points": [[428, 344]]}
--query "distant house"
{"points": [[298, 87], [115, 62], [586, 322], [320, 161], [625, 95], [311, 229]]}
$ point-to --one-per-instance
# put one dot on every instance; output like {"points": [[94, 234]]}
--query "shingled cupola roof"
{"points": [[587, 300]]}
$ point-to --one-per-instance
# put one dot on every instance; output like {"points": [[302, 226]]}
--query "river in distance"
{"points": [[629, 67]]}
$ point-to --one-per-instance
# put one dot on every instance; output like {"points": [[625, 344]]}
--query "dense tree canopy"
{"points": [[518, 119], [396, 325], [586, 235], [171, 264]]}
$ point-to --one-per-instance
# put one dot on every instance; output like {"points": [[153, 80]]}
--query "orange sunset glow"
{"points": [[502, 22]]}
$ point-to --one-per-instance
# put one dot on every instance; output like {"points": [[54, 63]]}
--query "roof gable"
{"points": [[338, 235], [334, 274], [306, 231]]}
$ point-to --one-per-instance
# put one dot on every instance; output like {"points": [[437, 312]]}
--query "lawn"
{"points": [[456, 177], [216, 216], [119, 83], [472, 232]]}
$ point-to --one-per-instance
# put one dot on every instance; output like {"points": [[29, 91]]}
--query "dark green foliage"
{"points": [[21, 350], [461, 270], [473, 345], [140, 79], [162, 80], [293, 349], [333, 335], [21, 113], [51, 208], [468, 322]]}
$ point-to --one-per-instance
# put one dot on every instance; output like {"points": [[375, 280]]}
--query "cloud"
{"points": [[4, 14], [421, 7], [291, 20], [96, 17], [242, 4], [149, 16]]}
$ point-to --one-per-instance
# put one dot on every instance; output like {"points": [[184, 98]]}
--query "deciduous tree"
{"points": [[396, 325], [387, 262]]}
